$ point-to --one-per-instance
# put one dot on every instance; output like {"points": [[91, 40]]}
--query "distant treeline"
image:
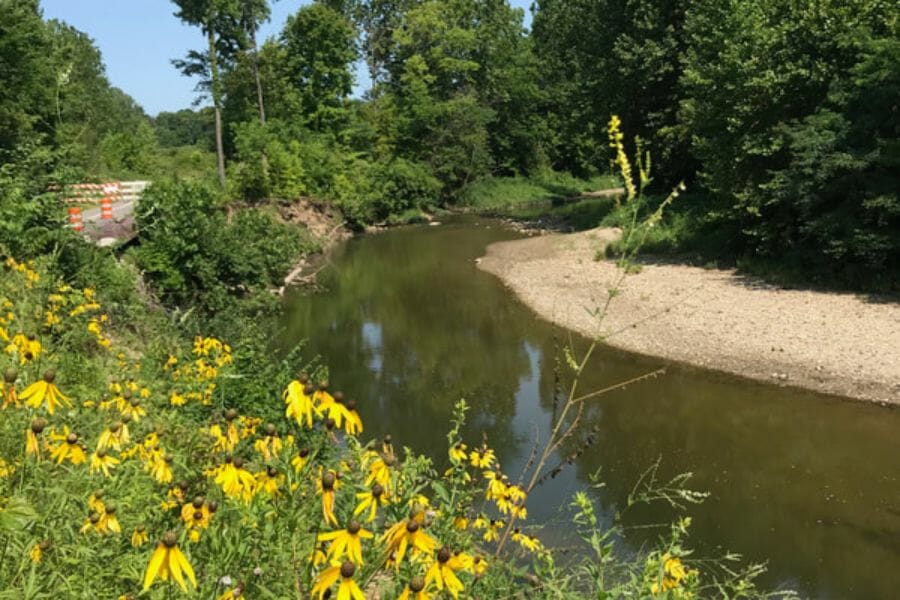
{"points": [[782, 117]]}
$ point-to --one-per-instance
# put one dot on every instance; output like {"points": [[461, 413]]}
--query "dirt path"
{"points": [[841, 344]]}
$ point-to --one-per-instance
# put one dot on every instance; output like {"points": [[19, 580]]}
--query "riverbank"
{"points": [[843, 344]]}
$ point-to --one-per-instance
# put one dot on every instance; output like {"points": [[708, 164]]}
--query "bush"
{"points": [[192, 254]]}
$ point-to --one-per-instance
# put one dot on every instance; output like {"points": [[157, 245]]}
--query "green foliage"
{"points": [[271, 165], [390, 188], [185, 127], [193, 255], [319, 45]]}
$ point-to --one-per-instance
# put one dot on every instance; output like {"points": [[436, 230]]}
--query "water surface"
{"points": [[408, 325]]}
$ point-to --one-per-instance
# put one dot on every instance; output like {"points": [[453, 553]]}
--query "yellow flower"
{"points": [[224, 442], [44, 390], [270, 445], [528, 542], [496, 484], [348, 590], [443, 571], [6, 469], [28, 348], [493, 531], [408, 534], [9, 388], [299, 404], [370, 501], [68, 449], [177, 399], [235, 480], [101, 461], [196, 514], [616, 138], [109, 521], [300, 460], [379, 469], [268, 481], [157, 464], [168, 560], [139, 536], [479, 566], [353, 424], [37, 551], [347, 541], [458, 453], [483, 458], [115, 436], [415, 590], [233, 594], [326, 485]]}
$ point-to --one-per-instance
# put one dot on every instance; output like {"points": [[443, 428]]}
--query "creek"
{"points": [[408, 325]]}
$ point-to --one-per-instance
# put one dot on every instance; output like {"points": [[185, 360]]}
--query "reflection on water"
{"points": [[409, 325]]}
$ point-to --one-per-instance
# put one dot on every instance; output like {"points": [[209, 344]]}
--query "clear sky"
{"points": [[138, 39]]}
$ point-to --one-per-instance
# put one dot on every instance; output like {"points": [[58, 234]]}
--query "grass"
{"points": [[500, 194]]}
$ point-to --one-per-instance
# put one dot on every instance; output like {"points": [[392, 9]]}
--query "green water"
{"points": [[811, 484]]}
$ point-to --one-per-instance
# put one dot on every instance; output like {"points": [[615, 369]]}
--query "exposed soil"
{"points": [[325, 224], [838, 343]]}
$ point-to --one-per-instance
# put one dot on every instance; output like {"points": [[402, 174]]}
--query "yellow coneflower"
{"points": [[479, 566], [492, 534], [139, 536], [348, 590], [370, 501], [496, 484], [28, 348], [68, 448], [270, 445], [269, 480], [672, 573], [223, 441], [109, 521], [91, 522], [379, 469], [347, 542], [32, 444], [353, 424], [157, 464], [235, 480], [168, 560], [322, 398], [133, 409], [332, 407], [45, 390], [195, 514], [9, 387], [443, 571], [177, 399], [101, 461], [528, 542], [234, 593], [460, 523], [300, 460], [115, 436], [415, 590], [458, 453], [36, 554], [326, 485], [248, 425], [299, 404], [408, 534], [6, 469], [482, 458]]}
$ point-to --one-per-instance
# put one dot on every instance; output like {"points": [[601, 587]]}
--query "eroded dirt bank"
{"points": [[843, 344]]}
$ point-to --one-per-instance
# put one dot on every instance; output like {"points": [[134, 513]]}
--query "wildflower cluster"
{"points": [[141, 468]]}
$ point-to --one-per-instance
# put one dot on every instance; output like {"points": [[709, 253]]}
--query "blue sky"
{"points": [[138, 39]]}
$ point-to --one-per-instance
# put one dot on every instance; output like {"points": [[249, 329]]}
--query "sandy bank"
{"points": [[841, 344]]}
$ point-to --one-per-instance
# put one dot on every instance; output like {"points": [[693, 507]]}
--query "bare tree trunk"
{"points": [[217, 105], [259, 90]]}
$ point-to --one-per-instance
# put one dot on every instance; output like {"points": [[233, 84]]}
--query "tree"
{"points": [[319, 47], [220, 21]]}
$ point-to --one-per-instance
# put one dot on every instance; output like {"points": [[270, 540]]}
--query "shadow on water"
{"points": [[408, 325]]}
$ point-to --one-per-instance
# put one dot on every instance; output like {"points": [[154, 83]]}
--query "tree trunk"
{"points": [[259, 91], [217, 105]]}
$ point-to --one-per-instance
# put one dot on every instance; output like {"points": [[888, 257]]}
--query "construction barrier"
{"points": [[106, 212], [124, 191], [75, 218]]}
